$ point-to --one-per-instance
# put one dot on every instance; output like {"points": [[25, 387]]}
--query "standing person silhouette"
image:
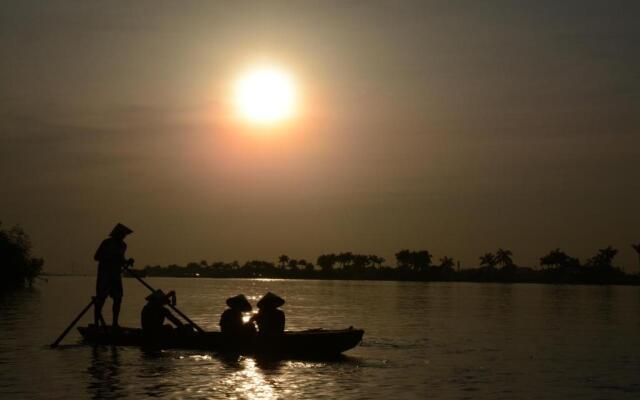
{"points": [[111, 260]]}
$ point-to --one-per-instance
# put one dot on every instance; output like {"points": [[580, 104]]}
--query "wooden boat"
{"points": [[316, 343]]}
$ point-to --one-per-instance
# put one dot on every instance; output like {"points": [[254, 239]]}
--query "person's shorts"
{"points": [[109, 283]]}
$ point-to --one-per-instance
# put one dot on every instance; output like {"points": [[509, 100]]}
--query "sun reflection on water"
{"points": [[249, 382]]}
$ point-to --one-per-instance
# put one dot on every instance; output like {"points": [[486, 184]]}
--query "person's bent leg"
{"points": [[117, 301], [97, 310]]}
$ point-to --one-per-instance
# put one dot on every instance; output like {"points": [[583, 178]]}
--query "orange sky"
{"points": [[456, 127]]}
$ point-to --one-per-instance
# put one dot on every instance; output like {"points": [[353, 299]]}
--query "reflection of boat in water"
{"points": [[310, 343]]}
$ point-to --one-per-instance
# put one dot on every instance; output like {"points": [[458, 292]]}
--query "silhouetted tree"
{"points": [[344, 259], [421, 260], [415, 260], [292, 265], [258, 267], [283, 260], [359, 262], [556, 258], [503, 257], [326, 262], [308, 266], [193, 269], [404, 259], [604, 258], [447, 262], [376, 261], [17, 265], [488, 260]]}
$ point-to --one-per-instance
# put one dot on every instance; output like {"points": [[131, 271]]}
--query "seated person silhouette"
{"points": [[154, 313], [269, 319], [231, 322]]}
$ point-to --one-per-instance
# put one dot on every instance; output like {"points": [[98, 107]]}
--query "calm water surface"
{"points": [[422, 340]]}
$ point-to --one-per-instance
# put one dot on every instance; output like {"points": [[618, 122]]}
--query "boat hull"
{"points": [[292, 344]]}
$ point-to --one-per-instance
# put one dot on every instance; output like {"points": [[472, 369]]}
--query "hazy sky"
{"points": [[453, 126]]}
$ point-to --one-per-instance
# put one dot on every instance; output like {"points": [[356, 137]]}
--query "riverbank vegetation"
{"points": [[419, 265], [17, 265]]}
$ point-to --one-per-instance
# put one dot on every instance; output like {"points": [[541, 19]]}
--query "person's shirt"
{"points": [[270, 321], [152, 316], [231, 321], [110, 254]]}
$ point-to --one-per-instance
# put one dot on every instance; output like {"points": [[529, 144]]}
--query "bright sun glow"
{"points": [[265, 95]]}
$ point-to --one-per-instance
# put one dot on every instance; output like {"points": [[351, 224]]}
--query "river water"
{"points": [[422, 340]]}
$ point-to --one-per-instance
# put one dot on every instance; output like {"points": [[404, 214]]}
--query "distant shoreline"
{"points": [[575, 275], [636, 283], [557, 267], [630, 283], [546, 277]]}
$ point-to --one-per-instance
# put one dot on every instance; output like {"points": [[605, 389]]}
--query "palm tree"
{"points": [[488, 260], [503, 257], [447, 262]]}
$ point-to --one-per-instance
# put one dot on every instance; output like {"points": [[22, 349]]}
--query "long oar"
{"points": [[174, 308], [73, 323]]}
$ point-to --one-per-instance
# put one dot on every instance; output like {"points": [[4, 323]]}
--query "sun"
{"points": [[265, 95]]}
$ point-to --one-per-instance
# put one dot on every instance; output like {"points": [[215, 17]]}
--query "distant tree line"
{"points": [[420, 265], [17, 266]]}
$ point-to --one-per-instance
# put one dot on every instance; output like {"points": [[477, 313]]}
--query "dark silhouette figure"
{"points": [[154, 314], [269, 319], [111, 260], [231, 322]]}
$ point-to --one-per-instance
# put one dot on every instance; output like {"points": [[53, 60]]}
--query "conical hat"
{"points": [[239, 302], [270, 300], [158, 296], [120, 229]]}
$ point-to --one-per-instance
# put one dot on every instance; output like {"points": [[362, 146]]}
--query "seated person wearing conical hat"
{"points": [[269, 319], [154, 313], [231, 322]]}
